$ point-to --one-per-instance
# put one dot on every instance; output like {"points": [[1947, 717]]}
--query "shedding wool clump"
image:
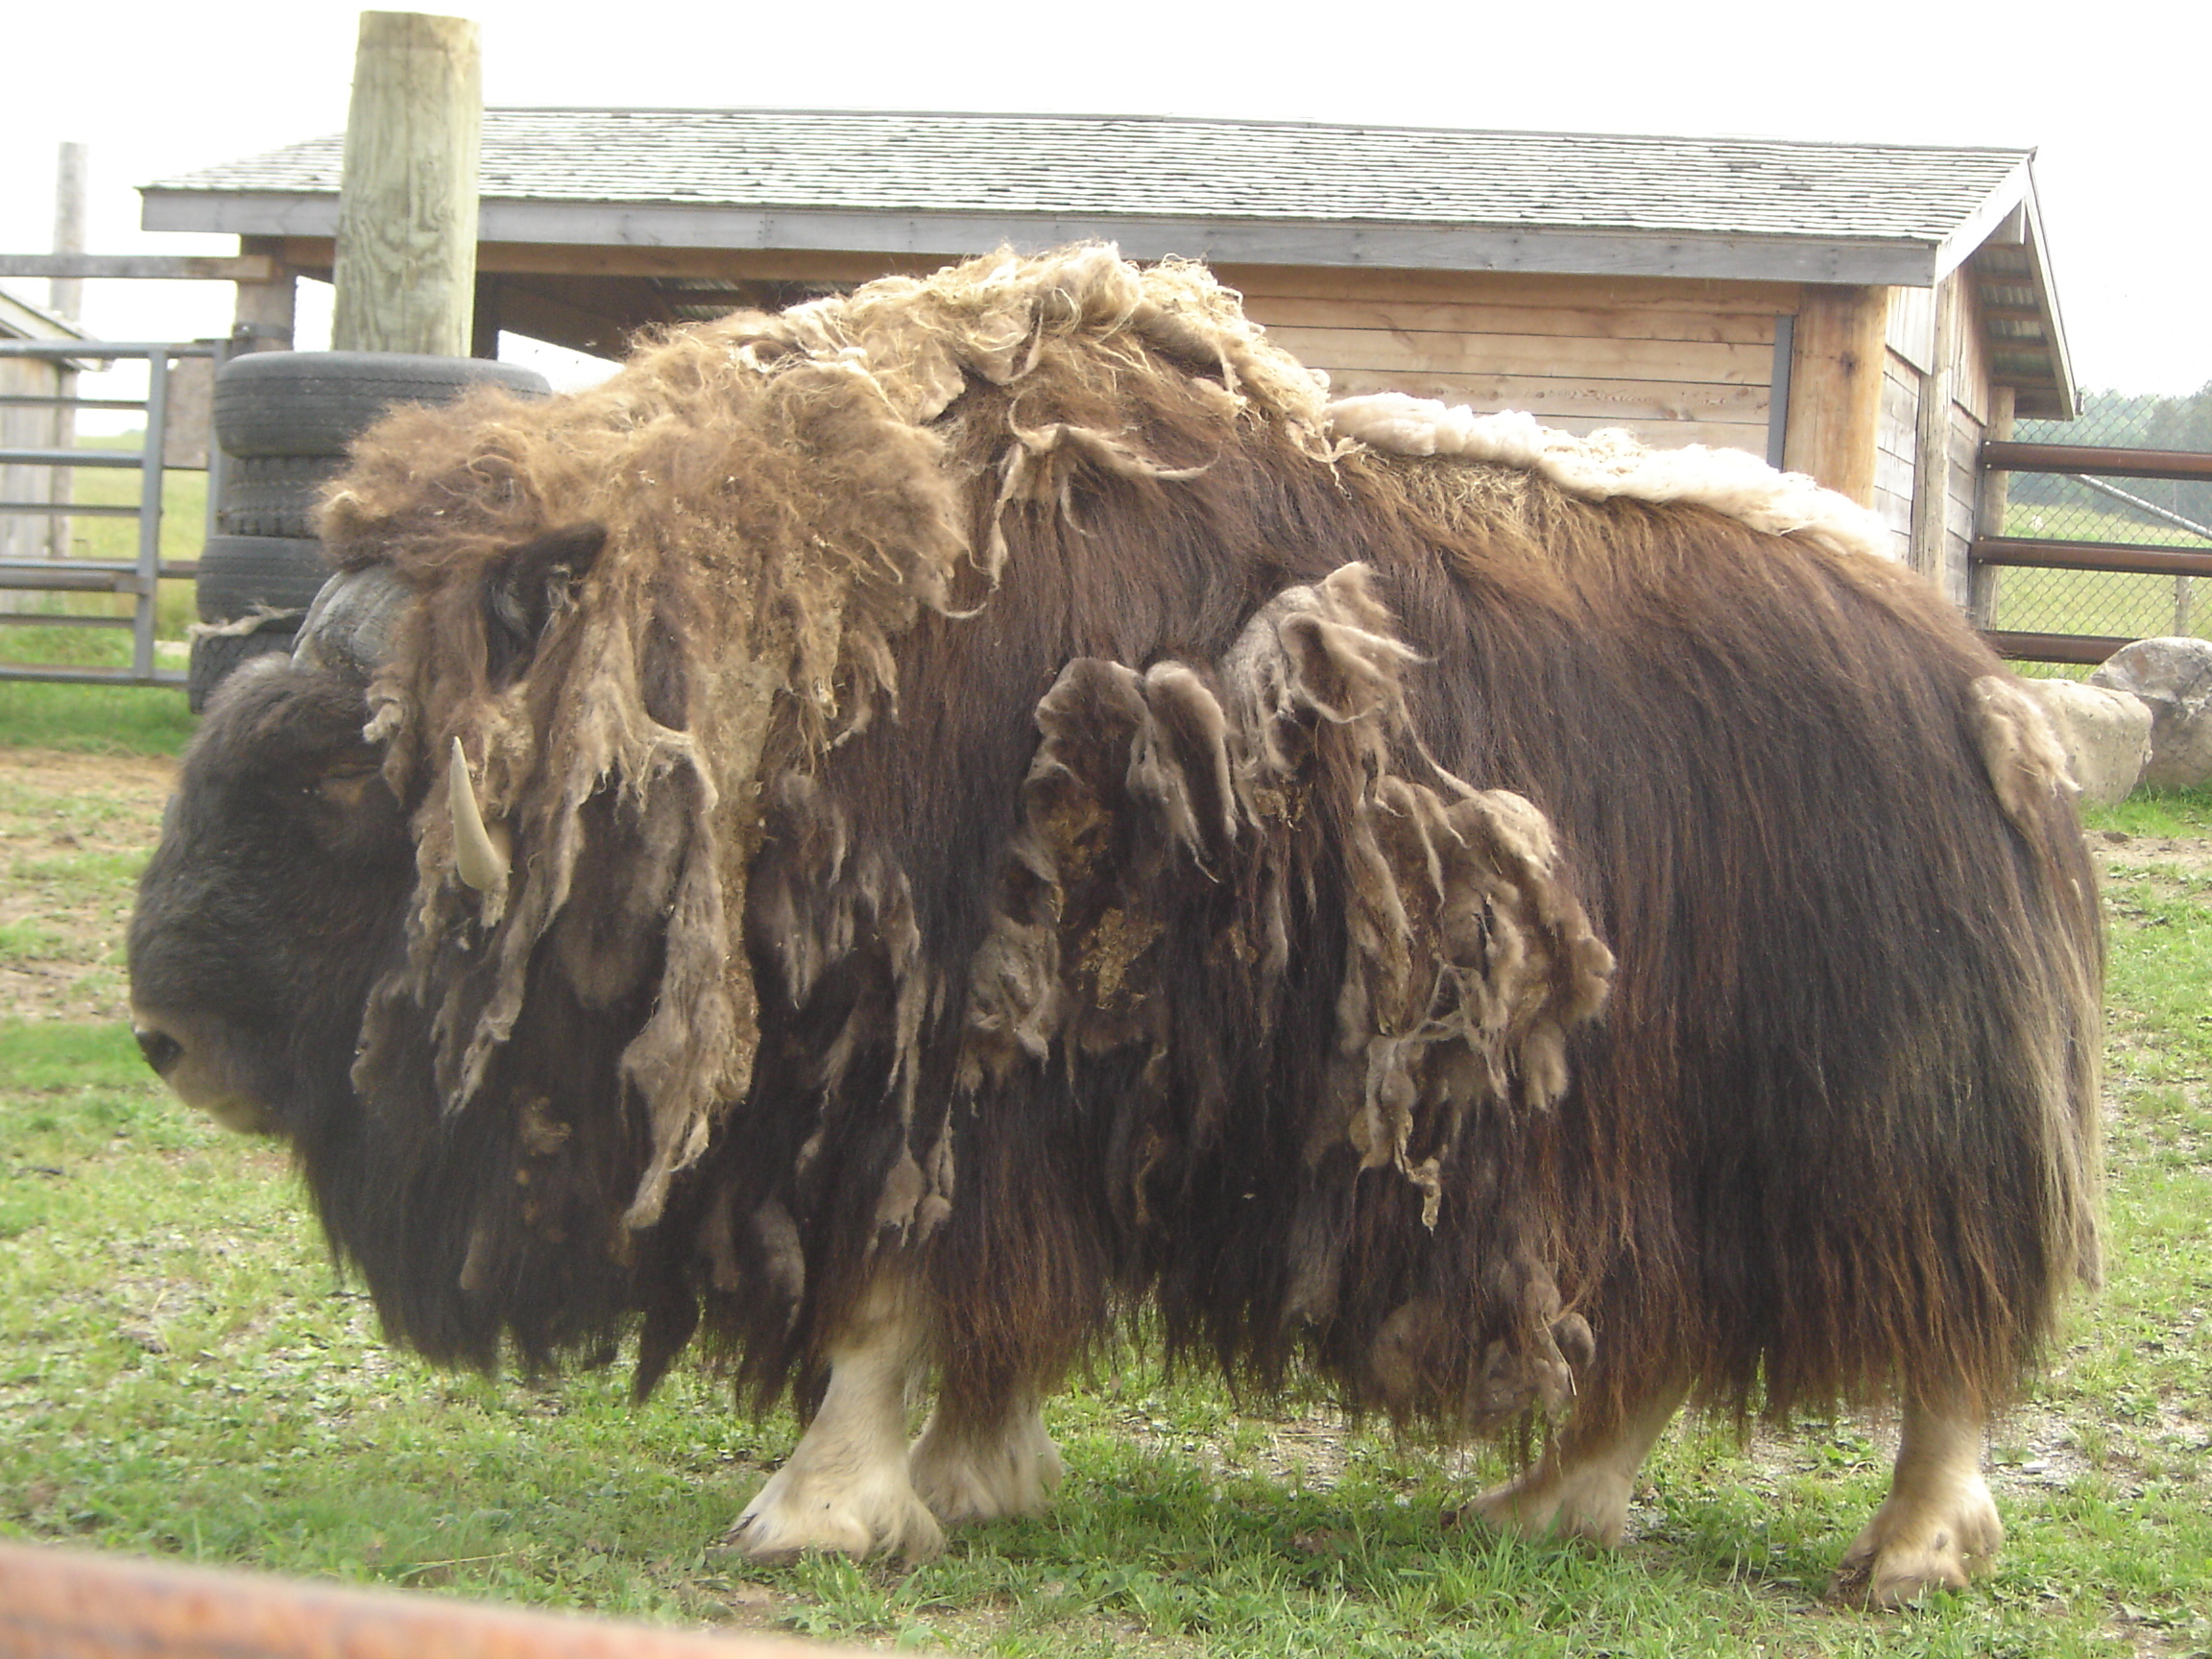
{"points": [[1610, 463], [757, 507]]}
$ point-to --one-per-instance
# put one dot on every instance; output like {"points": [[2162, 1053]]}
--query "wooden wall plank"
{"points": [[1565, 356], [1621, 401], [1475, 317], [1970, 368], [1508, 288]]}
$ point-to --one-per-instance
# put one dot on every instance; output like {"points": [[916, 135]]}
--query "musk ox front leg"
{"points": [[1938, 1527], [845, 1489], [980, 1462], [1581, 1485]]}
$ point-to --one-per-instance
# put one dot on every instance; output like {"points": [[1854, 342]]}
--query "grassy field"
{"points": [[182, 1374]]}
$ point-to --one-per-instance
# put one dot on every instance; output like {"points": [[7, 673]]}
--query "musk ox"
{"points": [[884, 837]]}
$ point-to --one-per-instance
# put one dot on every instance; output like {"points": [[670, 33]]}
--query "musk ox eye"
{"points": [[351, 786]]}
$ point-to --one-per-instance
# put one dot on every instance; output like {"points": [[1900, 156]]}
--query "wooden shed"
{"points": [[34, 414], [1864, 313]]}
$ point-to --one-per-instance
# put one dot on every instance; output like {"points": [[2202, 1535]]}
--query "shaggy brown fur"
{"points": [[1002, 782]]}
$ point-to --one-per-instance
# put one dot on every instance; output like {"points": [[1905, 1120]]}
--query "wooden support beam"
{"points": [[262, 317], [1931, 442], [1835, 388], [174, 267], [1992, 493], [406, 258]]}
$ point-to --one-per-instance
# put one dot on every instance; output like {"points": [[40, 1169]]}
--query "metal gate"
{"points": [[139, 577]]}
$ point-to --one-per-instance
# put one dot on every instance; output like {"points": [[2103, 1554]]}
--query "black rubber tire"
{"points": [[317, 402], [216, 655], [273, 494], [242, 574]]}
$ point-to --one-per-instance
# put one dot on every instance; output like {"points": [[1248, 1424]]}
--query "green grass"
{"points": [[183, 1374], [94, 719]]}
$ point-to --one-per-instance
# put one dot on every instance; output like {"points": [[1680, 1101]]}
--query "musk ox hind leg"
{"points": [[1938, 1527], [979, 1464], [845, 1489], [1581, 1485]]}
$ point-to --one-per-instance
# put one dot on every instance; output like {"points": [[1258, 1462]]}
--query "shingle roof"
{"points": [[1066, 168]]}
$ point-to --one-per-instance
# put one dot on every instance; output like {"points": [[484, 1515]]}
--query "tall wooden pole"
{"points": [[406, 262], [65, 295]]}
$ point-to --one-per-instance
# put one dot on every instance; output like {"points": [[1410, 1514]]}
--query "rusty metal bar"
{"points": [[2089, 648], [2088, 458], [68, 1604], [2129, 558]]}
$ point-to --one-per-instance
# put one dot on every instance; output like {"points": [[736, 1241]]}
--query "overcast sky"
{"points": [[2110, 97]]}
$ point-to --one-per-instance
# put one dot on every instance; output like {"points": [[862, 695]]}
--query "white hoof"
{"points": [[801, 1511], [845, 1489], [1939, 1527], [982, 1472], [1583, 1493], [1588, 1502]]}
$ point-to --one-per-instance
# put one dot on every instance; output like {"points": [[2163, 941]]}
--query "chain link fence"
{"points": [[2085, 507]]}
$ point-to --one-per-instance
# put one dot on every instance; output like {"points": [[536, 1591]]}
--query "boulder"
{"points": [[2106, 735], [2174, 676]]}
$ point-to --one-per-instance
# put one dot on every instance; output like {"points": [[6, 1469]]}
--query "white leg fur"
{"points": [[845, 1489], [1582, 1492], [1938, 1527], [978, 1471]]}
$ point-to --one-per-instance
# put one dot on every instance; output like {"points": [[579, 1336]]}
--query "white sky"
{"points": [[2111, 97]]}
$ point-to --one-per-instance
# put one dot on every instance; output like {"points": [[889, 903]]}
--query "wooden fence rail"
{"points": [[71, 1604]]}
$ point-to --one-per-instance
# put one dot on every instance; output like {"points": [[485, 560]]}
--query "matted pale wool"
{"points": [[778, 507], [1611, 463]]}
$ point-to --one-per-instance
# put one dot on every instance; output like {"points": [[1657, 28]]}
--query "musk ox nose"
{"points": [[162, 1050]]}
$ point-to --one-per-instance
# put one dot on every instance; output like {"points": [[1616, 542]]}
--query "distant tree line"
{"points": [[2125, 421]]}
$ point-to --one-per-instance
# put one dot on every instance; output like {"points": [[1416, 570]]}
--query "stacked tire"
{"points": [[284, 420]]}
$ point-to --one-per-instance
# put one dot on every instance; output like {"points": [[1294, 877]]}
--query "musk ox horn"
{"points": [[349, 627], [480, 855]]}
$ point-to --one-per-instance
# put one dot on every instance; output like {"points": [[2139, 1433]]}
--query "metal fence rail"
{"points": [[2080, 565], [139, 577]]}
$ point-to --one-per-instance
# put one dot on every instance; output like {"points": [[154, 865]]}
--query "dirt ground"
{"points": [[74, 829]]}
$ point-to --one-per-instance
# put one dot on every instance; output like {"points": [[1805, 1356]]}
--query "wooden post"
{"points": [[1932, 443], [65, 295], [262, 317], [1992, 492], [407, 260], [1835, 388]]}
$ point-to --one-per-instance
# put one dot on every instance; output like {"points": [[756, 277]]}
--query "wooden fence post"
{"points": [[407, 260]]}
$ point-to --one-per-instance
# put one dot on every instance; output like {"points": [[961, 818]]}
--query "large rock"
{"points": [[2174, 676], [2105, 734]]}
